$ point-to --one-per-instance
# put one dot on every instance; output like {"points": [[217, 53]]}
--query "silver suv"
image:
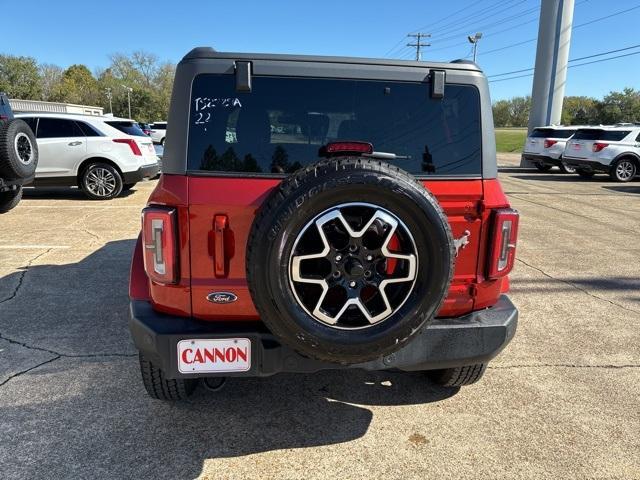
{"points": [[606, 149], [545, 146]]}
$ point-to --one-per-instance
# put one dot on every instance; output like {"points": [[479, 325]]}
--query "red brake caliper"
{"points": [[393, 246]]}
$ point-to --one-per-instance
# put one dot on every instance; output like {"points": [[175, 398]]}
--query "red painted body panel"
{"points": [[172, 190], [467, 204]]}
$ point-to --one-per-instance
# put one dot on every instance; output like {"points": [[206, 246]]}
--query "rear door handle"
{"points": [[75, 144]]}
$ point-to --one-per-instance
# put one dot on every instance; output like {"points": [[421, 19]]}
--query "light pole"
{"points": [[474, 40], [129, 90], [109, 96]]}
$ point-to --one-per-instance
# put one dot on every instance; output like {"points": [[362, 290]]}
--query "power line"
{"points": [[574, 27], [571, 60], [570, 66], [482, 10], [478, 16], [487, 26]]}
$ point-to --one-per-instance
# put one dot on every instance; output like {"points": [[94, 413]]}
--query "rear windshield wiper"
{"points": [[386, 156]]}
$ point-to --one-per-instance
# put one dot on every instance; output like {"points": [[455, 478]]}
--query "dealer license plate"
{"points": [[219, 355]]}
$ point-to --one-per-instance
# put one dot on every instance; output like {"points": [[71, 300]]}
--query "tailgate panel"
{"points": [[239, 199]]}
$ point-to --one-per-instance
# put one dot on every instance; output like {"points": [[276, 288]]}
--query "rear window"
{"points": [[551, 133], [280, 125], [159, 126], [130, 128], [596, 134]]}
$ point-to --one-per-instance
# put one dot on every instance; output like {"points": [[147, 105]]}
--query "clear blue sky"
{"points": [[68, 32]]}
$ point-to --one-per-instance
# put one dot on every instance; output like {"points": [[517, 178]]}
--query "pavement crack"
{"points": [[580, 289], [29, 369], [24, 271], [82, 223], [66, 355]]}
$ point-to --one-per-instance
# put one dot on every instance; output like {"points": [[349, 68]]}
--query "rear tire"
{"points": [[623, 170], [101, 181], [586, 174], [10, 199], [18, 150], [458, 376], [542, 167], [161, 388], [567, 169]]}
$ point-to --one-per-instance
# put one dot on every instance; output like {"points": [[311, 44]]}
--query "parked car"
{"points": [[146, 128], [101, 155], [371, 233], [18, 156], [158, 132], [545, 145], [614, 150]]}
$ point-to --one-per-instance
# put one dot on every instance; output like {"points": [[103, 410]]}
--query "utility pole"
{"points": [[129, 90], [418, 44], [474, 39], [109, 96]]}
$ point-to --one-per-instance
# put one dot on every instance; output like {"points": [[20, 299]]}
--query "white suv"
{"points": [[102, 155], [608, 149], [545, 146], [158, 132]]}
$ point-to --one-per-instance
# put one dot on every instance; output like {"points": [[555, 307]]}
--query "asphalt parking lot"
{"points": [[561, 402]]}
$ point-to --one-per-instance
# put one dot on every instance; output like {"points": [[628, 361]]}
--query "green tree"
{"points": [[19, 77], [78, 85], [620, 106], [501, 114], [50, 78], [519, 109], [580, 111]]}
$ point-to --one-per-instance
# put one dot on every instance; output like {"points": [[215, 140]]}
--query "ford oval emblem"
{"points": [[222, 297]]}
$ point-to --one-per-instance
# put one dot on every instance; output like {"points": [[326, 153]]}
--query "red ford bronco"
{"points": [[323, 213]]}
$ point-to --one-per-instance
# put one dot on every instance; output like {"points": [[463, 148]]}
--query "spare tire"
{"points": [[18, 150], [348, 259]]}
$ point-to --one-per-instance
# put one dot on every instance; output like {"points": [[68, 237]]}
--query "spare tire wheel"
{"points": [[348, 259], [18, 150]]}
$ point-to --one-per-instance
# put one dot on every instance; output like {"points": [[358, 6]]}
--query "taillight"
{"points": [[504, 235], [598, 146], [549, 143], [132, 144], [334, 148], [159, 240]]}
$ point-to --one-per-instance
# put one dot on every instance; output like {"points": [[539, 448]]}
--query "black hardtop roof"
{"points": [[203, 53]]}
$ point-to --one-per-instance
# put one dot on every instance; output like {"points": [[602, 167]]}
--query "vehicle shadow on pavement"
{"points": [[87, 411], [63, 193], [556, 177], [624, 188], [512, 169], [625, 285]]}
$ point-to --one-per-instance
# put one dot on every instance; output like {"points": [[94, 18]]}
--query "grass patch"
{"points": [[510, 139]]}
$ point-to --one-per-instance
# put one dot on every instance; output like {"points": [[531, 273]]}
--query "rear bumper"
{"points": [[588, 165], [6, 185], [474, 338], [142, 173], [541, 159]]}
